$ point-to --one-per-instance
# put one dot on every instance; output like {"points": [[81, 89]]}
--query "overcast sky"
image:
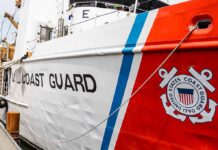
{"points": [[7, 6]]}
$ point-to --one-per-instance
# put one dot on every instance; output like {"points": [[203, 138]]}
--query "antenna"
{"points": [[136, 5]]}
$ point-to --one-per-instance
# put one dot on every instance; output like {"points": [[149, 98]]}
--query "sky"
{"points": [[7, 6]]}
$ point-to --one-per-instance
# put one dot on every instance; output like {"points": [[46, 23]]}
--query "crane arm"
{"points": [[11, 19]]}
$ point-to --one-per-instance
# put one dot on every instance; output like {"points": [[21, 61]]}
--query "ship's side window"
{"points": [[66, 30], [6, 81], [45, 33], [101, 5]]}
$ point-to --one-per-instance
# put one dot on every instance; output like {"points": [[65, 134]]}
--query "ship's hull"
{"points": [[116, 97], [71, 98]]}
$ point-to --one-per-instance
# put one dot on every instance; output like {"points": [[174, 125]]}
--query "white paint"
{"points": [[93, 40], [90, 17], [31, 14], [172, 2], [59, 115]]}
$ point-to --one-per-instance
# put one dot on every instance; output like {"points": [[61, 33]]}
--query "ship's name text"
{"points": [[74, 82]]}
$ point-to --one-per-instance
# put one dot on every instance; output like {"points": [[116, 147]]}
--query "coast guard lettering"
{"points": [[187, 95], [60, 81]]}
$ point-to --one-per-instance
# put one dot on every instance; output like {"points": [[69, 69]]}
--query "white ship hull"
{"points": [[119, 85], [62, 92]]}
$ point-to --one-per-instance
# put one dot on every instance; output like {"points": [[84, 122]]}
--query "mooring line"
{"points": [[118, 108]]}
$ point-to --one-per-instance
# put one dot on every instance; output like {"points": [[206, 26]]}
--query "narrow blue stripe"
{"points": [[135, 32], [123, 77]]}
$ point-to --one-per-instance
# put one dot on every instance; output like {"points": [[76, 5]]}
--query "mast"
{"points": [[136, 4]]}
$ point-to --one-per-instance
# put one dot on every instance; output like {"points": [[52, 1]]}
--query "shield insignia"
{"points": [[186, 96]]}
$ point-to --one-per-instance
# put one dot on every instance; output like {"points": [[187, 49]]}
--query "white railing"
{"points": [[102, 5]]}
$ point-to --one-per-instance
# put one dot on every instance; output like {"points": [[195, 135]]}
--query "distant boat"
{"points": [[116, 74]]}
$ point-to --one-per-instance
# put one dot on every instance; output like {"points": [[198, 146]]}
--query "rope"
{"points": [[118, 108]]}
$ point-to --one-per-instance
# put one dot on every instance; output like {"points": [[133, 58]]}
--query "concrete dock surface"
{"points": [[6, 141]]}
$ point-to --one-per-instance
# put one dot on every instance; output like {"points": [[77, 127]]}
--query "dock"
{"points": [[6, 141]]}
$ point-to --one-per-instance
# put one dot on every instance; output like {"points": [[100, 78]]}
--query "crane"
{"points": [[11, 19], [18, 3], [10, 47]]}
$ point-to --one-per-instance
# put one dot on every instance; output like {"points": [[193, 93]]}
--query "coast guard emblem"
{"points": [[187, 95]]}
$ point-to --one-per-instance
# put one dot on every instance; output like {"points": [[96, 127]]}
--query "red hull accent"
{"points": [[146, 124]]}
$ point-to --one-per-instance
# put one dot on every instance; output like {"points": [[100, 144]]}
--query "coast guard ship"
{"points": [[110, 74]]}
